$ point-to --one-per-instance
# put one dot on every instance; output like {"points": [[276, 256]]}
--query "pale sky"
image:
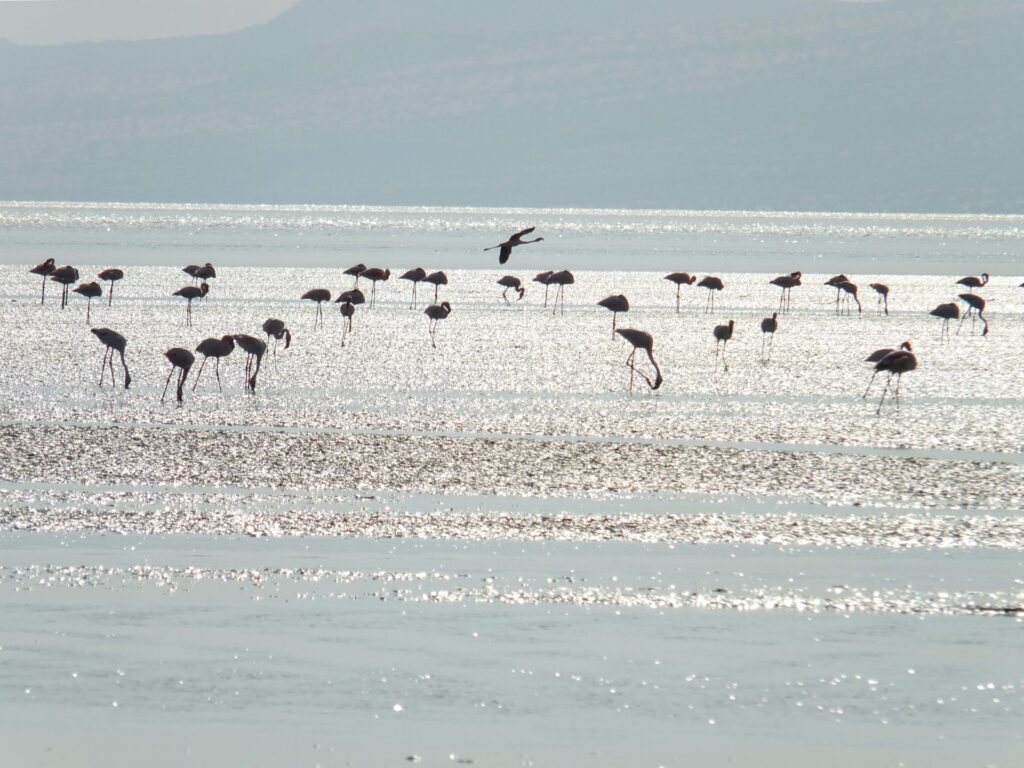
{"points": [[40, 22]]}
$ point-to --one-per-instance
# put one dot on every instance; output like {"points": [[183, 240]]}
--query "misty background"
{"points": [[788, 105]]}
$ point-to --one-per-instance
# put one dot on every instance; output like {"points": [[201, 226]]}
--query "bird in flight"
{"points": [[512, 242]]}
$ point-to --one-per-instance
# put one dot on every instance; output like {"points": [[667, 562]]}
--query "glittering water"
{"points": [[492, 550]]}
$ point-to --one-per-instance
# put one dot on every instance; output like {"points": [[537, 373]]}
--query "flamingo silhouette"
{"points": [[883, 295], [712, 284], [111, 275], [850, 289], [787, 283], [276, 328], [215, 348], [416, 276], [45, 269], [114, 342], [641, 340], [436, 313], [975, 306], [254, 349], [973, 282], [947, 312], [896, 364], [511, 281], [319, 295], [182, 360], [190, 293], [544, 278], [90, 291], [66, 276], [356, 270], [768, 328], [375, 275], [722, 335], [512, 242], [880, 354], [615, 304], [437, 279], [680, 279], [561, 279], [834, 282]]}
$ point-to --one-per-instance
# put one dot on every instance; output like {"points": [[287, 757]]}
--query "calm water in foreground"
{"points": [[492, 552]]}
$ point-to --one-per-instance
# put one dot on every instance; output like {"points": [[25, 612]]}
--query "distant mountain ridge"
{"points": [[795, 104]]}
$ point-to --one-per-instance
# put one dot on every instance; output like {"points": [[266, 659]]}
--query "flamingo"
{"points": [[768, 328], [883, 295], [90, 291], [973, 282], [511, 281], [254, 349], [276, 328], [680, 279], [215, 348], [850, 289], [512, 242], [975, 306], [436, 312], [205, 272], [354, 297], [114, 342], [896, 363], [191, 292], [437, 279], [616, 304], [834, 282], [947, 312], [640, 340], [880, 354], [786, 283], [347, 310], [561, 279], [357, 270], [190, 270], [181, 359], [416, 276], [66, 276], [45, 269], [712, 284], [111, 275], [722, 335], [544, 278], [319, 295], [375, 275]]}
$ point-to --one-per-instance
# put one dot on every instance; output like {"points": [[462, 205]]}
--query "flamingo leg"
{"points": [[110, 365], [679, 287], [505, 297], [872, 381], [632, 367], [110, 295], [885, 391], [43, 300], [614, 315], [199, 374], [103, 365], [216, 370], [546, 286], [167, 384]]}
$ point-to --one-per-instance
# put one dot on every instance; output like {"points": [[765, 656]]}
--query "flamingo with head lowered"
{"points": [[641, 340], [114, 342]]}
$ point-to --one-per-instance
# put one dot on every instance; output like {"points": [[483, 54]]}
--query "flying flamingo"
{"points": [[768, 328], [215, 348], [114, 342], [896, 364], [883, 295], [640, 340], [90, 291], [975, 306], [45, 269], [319, 295], [111, 275], [973, 282], [375, 275], [66, 276], [712, 284], [850, 289], [437, 279], [416, 275], [511, 281], [436, 312], [561, 279], [276, 328], [191, 292], [512, 242], [834, 282], [680, 279], [544, 278], [722, 335], [254, 349], [181, 359], [880, 354], [357, 270], [616, 304], [947, 312], [786, 283]]}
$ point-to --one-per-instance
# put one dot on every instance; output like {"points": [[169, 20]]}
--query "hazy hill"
{"points": [[798, 104]]}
